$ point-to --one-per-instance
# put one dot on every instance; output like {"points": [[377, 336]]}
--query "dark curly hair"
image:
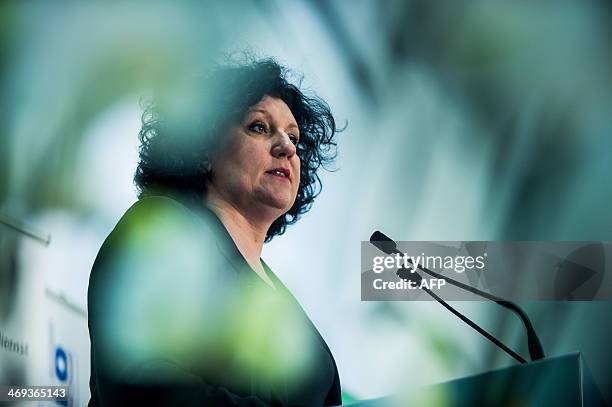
{"points": [[178, 133]]}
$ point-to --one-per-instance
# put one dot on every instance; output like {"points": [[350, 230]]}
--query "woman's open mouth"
{"points": [[280, 172]]}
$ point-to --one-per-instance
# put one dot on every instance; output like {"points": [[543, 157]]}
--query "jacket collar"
{"points": [[229, 250]]}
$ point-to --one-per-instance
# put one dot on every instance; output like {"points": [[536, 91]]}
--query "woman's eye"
{"points": [[258, 127], [294, 139]]}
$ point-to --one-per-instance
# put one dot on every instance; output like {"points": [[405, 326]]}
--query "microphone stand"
{"points": [[536, 351]]}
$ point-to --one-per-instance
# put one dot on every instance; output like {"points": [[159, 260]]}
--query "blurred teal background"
{"points": [[467, 120]]}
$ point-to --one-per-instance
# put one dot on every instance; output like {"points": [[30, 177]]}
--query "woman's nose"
{"points": [[283, 147]]}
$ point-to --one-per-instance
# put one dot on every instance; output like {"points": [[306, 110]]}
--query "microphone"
{"points": [[536, 351]]}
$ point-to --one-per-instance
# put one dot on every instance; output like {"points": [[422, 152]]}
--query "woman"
{"points": [[182, 310]]}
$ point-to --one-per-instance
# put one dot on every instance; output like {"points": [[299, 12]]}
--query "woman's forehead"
{"points": [[273, 107]]}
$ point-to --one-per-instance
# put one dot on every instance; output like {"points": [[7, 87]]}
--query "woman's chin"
{"points": [[280, 202], [282, 205]]}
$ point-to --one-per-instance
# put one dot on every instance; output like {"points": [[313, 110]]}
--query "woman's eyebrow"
{"points": [[265, 112], [293, 126], [268, 115]]}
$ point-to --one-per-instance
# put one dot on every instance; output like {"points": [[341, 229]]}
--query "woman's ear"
{"points": [[205, 165]]}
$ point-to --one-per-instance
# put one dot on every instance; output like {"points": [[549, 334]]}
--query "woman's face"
{"points": [[258, 168]]}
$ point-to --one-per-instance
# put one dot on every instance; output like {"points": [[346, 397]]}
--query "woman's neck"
{"points": [[248, 236]]}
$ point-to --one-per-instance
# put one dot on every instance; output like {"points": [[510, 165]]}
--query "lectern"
{"points": [[555, 381]]}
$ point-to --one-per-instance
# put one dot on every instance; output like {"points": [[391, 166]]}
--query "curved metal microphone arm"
{"points": [[536, 351]]}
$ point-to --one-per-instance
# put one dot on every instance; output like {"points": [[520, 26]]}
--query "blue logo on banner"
{"points": [[61, 364]]}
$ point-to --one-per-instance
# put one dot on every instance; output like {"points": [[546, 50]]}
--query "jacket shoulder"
{"points": [[159, 236], [161, 218]]}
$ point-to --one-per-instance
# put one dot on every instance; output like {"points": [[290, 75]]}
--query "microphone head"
{"points": [[383, 242]]}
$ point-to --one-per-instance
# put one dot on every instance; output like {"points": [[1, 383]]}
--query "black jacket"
{"points": [[177, 317]]}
